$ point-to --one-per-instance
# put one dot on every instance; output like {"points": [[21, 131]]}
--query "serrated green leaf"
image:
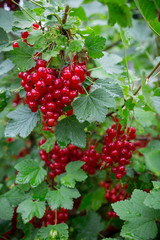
{"points": [[93, 200], [6, 211], [79, 12], [140, 219], [95, 45], [119, 13], [40, 191], [109, 63], [29, 209], [75, 46], [74, 173], [49, 144], [69, 130], [3, 39], [149, 12], [153, 199], [60, 231], [152, 161], [30, 171], [62, 197], [22, 122], [49, 54], [6, 66], [6, 20], [111, 87], [89, 226], [22, 57], [15, 196], [145, 118], [94, 106], [37, 38], [22, 20]]}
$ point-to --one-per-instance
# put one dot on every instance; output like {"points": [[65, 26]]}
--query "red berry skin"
{"points": [[42, 72], [23, 83], [122, 161], [51, 106], [50, 115], [121, 168], [66, 74], [27, 88], [51, 122], [78, 70], [41, 86], [24, 34], [73, 94], [35, 26], [41, 63], [20, 75], [52, 175], [65, 92], [59, 103], [35, 94], [56, 116], [16, 45], [49, 79], [66, 100], [33, 106], [119, 175], [75, 80], [35, 77], [58, 84], [49, 97], [43, 109], [57, 94]]}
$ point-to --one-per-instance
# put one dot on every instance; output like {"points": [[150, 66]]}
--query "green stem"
{"points": [[94, 69], [36, 3], [25, 11], [85, 91], [55, 216], [125, 59]]}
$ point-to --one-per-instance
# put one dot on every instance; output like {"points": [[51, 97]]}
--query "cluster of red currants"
{"points": [[117, 151], [12, 6], [91, 158], [54, 217], [46, 88], [57, 159], [114, 194]]}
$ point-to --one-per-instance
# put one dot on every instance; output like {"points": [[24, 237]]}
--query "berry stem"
{"points": [[55, 216], [39, 5]]}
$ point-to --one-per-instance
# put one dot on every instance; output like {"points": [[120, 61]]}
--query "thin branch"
{"points": [[112, 45], [65, 14], [149, 75]]}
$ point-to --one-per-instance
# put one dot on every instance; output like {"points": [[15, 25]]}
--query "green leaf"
{"points": [[140, 219], [153, 199], [22, 122], [111, 87], [93, 200], [6, 211], [49, 54], [49, 144], [74, 4], [95, 45], [79, 12], [22, 57], [3, 40], [22, 20], [30, 171], [74, 173], [60, 231], [94, 106], [89, 226], [15, 196], [6, 66], [29, 209], [109, 63], [69, 130], [62, 197], [149, 12], [6, 20], [75, 46], [40, 192], [145, 118], [37, 38], [152, 161], [119, 13]]}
